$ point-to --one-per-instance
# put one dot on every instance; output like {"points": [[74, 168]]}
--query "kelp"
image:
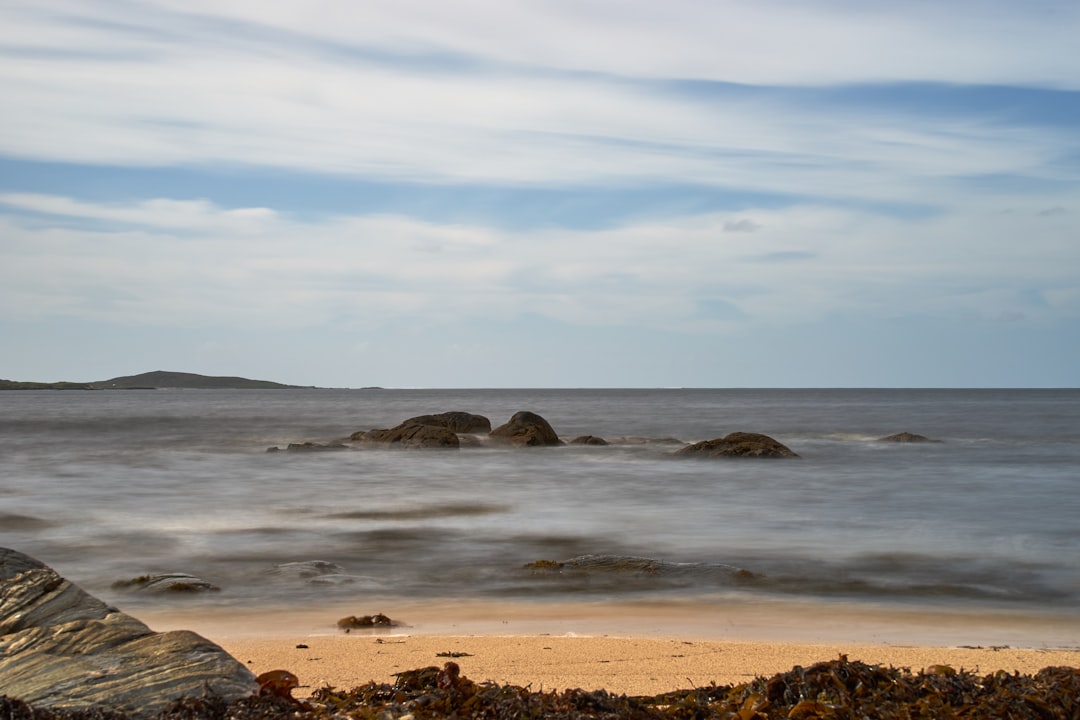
{"points": [[835, 690]]}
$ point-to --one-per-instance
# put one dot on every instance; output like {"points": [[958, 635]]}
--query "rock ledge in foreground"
{"points": [[63, 648]]}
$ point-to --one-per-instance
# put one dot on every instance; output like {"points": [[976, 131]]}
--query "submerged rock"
{"points": [[739, 444], [526, 429], [588, 440], [315, 447], [63, 648], [306, 569], [638, 440], [166, 583], [906, 437], [591, 565], [318, 572], [308, 447]]}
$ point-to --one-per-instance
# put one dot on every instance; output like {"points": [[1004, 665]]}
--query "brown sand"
{"points": [[635, 666]]}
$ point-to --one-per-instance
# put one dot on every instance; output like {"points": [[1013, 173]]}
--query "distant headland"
{"points": [[156, 380]]}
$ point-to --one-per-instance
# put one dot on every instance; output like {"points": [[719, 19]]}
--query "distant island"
{"points": [[156, 380]]}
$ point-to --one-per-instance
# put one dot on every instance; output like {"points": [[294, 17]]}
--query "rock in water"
{"points": [[526, 429], [906, 437], [740, 444], [63, 648], [411, 435], [455, 420]]}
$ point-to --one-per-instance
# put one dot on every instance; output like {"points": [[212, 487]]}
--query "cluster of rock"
{"points": [[453, 430], [61, 647], [456, 429]]}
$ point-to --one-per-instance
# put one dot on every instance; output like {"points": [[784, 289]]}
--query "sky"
{"points": [[566, 193]]}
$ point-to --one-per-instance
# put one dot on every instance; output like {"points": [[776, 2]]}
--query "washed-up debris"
{"points": [[835, 689]]}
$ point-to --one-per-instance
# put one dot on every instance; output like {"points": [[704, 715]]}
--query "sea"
{"points": [[110, 486]]}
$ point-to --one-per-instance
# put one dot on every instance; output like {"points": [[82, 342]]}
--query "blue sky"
{"points": [[779, 193]]}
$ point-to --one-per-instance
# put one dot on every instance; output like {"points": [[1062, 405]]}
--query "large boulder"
{"points": [[457, 421], [526, 429], [427, 431], [411, 435], [63, 648], [739, 444]]}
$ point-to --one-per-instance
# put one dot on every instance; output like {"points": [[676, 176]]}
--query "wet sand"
{"points": [[633, 648]]}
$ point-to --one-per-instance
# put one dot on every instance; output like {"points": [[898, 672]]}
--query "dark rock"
{"points": [[166, 583], [588, 440], [526, 429], [427, 431], [63, 648], [739, 444], [457, 421], [411, 435], [315, 447], [906, 437]]}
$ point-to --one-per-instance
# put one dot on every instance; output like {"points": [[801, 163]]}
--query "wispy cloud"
{"points": [[274, 89], [703, 169], [165, 262]]}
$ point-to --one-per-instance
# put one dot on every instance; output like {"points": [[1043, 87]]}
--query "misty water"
{"points": [[109, 485]]}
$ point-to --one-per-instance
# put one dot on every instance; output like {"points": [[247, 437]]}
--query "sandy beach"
{"points": [[637, 649]]}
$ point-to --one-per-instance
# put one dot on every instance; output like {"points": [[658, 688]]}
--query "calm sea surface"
{"points": [[109, 485]]}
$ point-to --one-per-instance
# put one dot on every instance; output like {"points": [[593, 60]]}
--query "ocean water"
{"points": [[110, 485]]}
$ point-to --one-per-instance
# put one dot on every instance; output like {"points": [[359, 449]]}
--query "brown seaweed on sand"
{"points": [[378, 620], [835, 689]]}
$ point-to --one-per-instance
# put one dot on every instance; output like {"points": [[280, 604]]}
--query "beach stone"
{"points": [[62, 648], [739, 444], [526, 429], [906, 437]]}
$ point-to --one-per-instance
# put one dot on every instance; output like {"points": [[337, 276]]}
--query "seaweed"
{"points": [[837, 690]]}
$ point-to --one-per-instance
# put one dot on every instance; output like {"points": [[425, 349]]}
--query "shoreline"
{"points": [[635, 648], [701, 618]]}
